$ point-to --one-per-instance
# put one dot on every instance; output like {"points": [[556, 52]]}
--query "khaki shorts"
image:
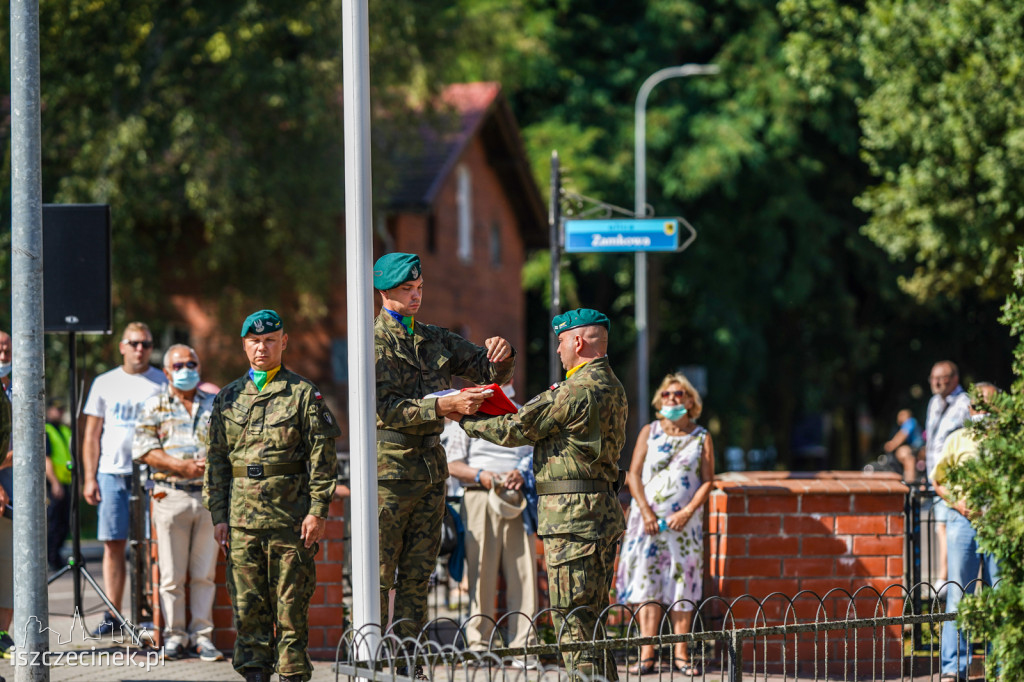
{"points": [[6, 563]]}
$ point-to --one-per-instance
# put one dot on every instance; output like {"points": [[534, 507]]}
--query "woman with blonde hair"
{"points": [[662, 560]]}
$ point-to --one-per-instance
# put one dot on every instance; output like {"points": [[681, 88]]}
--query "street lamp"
{"points": [[640, 209]]}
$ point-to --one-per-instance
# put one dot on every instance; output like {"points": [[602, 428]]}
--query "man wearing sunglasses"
{"points": [[170, 437], [112, 408]]}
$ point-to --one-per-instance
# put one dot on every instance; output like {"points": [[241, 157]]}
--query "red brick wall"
{"points": [[773, 534]]}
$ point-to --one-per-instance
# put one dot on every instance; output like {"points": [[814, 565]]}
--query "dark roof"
{"points": [[464, 111]]}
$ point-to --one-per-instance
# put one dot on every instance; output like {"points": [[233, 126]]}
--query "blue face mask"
{"points": [[185, 379], [672, 412], [5, 369]]}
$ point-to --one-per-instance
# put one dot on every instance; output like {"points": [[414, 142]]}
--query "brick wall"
{"points": [[773, 534]]}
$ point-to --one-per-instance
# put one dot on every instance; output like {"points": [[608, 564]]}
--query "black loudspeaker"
{"points": [[76, 268]]}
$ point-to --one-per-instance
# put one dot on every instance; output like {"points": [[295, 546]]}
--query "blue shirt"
{"points": [[915, 437]]}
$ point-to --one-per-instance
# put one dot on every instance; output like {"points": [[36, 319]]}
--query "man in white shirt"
{"points": [[494, 541], [948, 409], [114, 404]]}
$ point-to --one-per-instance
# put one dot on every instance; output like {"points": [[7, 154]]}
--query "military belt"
{"points": [[577, 486], [268, 470], [408, 440]]}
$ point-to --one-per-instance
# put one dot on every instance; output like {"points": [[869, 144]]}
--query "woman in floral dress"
{"points": [[662, 560]]}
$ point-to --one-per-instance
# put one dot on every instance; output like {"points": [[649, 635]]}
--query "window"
{"points": [[464, 199], [495, 243], [432, 233]]}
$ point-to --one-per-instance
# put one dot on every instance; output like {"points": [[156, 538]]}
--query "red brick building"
{"points": [[461, 195]]}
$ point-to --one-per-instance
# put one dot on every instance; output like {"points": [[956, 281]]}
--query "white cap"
{"points": [[506, 503]]}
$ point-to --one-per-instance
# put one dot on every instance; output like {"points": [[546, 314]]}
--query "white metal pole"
{"points": [[30, 593], [640, 209], [362, 390]]}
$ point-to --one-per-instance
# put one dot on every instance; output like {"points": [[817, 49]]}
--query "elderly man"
{"points": [[270, 475], [948, 409], [170, 437], [415, 361], [964, 559], [113, 405], [493, 540], [577, 428]]}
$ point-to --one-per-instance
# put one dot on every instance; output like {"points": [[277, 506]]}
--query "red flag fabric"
{"points": [[497, 403]]}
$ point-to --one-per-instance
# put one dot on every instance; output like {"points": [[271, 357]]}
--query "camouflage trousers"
{"points": [[409, 514], [271, 577], [580, 573]]}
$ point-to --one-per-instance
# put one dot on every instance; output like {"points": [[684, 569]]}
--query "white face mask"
{"points": [[5, 369]]}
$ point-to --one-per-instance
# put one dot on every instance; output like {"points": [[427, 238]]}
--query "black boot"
{"points": [[417, 673], [257, 675]]}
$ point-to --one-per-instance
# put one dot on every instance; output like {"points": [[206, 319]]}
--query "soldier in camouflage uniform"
{"points": [[577, 428], [270, 475], [413, 360]]}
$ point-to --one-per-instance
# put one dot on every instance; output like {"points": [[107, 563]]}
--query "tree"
{"points": [[214, 130], [786, 303], [941, 104], [994, 483]]}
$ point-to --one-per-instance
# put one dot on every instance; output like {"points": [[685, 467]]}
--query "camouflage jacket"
{"points": [[165, 424], [578, 427], [409, 367], [6, 424], [285, 422]]}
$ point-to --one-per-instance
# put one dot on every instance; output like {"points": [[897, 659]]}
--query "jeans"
{"points": [[963, 561]]}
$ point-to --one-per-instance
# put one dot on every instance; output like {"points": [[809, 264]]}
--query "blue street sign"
{"points": [[642, 234]]}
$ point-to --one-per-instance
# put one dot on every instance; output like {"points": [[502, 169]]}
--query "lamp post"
{"points": [[640, 209]]}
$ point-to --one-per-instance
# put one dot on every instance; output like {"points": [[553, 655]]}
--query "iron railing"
{"points": [[841, 635]]}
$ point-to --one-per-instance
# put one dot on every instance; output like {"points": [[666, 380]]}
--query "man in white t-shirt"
{"points": [[114, 404]]}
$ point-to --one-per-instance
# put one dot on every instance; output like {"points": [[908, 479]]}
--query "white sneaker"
{"points": [[524, 663], [207, 651], [174, 647]]}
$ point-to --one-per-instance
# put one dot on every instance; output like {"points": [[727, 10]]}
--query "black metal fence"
{"points": [[890, 635], [864, 635]]}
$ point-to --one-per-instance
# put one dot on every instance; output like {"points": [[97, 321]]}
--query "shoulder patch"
{"points": [[316, 394], [553, 386]]}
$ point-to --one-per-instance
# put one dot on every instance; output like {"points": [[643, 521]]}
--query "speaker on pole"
{"points": [[76, 268], [76, 300]]}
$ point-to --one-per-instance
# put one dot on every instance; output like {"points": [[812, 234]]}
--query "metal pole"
{"points": [[554, 225], [362, 389], [76, 474], [30, 595], [640, 209]]}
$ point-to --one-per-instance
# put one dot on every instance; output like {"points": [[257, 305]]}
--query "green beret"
{"points": [[581, 317], [395, 268], [262, 322]]}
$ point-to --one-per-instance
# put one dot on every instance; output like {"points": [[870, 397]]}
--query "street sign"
{"points": [[639, 234]]}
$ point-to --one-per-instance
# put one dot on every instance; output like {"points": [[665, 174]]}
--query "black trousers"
{"points": [[58, 523]]}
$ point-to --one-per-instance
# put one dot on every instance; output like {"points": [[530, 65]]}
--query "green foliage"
{"points": [[780, 297], [994, 483], [214, 130], [940, 88]]}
